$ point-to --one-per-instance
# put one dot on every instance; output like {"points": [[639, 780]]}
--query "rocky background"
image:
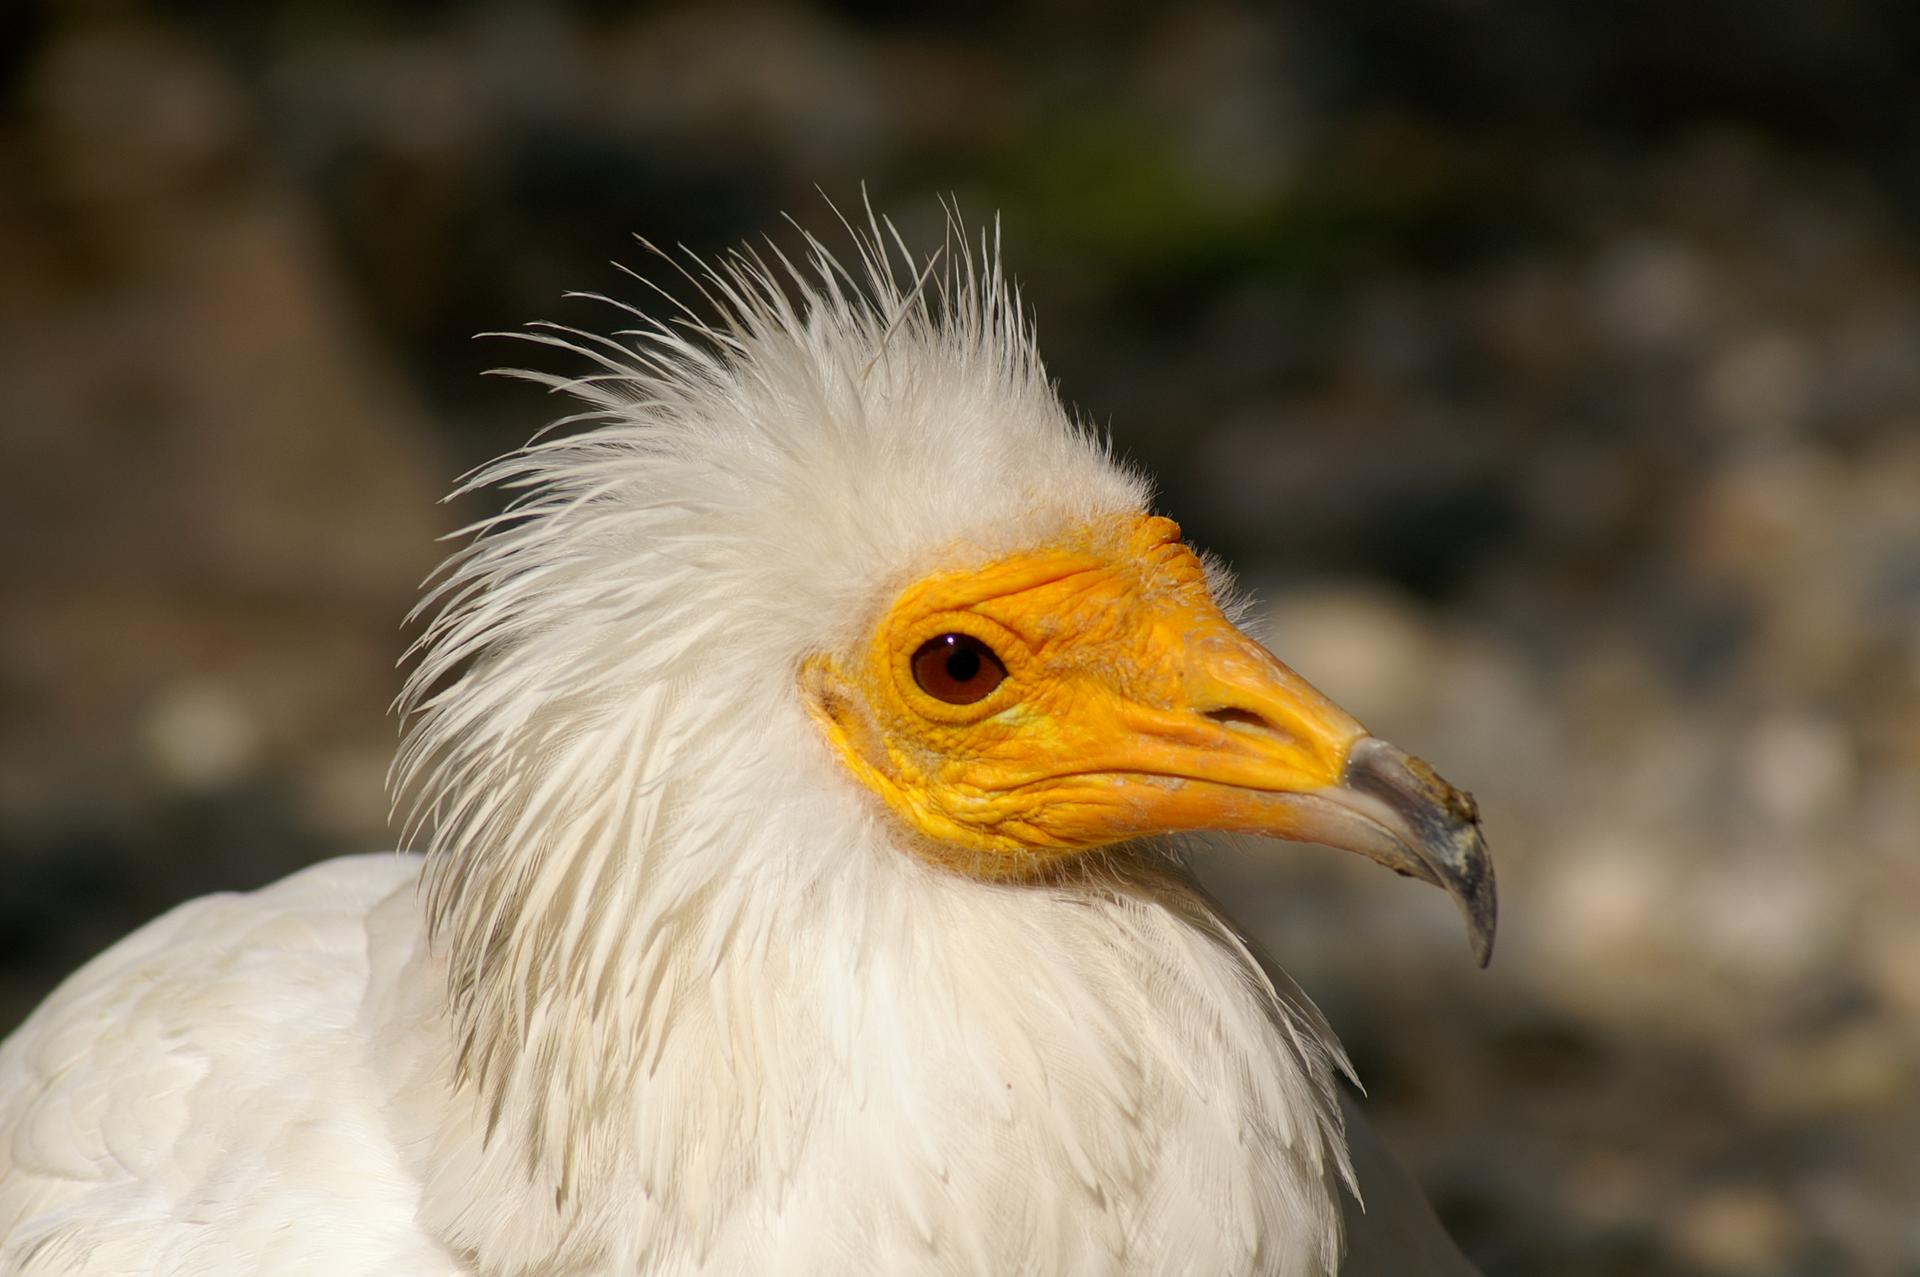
{"points": [[1553, 369]]}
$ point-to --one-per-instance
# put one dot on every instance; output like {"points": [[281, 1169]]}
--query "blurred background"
{"points": [[1551, 369]]}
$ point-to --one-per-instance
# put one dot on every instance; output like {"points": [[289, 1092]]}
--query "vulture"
{"points": [[802, 764]]}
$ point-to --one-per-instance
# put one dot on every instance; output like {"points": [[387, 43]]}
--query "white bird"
{"points": [[794, 759]]}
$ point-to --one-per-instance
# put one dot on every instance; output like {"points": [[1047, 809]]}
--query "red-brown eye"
{"points": [[957, 668]]}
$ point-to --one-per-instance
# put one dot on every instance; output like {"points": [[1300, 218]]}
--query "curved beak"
{"points": [[1397, 811], [1248, 746], [1316, 775]]}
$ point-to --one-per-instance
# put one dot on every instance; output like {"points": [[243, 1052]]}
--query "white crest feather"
{"points": [[679, 942]]}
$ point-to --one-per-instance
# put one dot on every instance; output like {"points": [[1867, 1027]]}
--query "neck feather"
{"points": [[667, 1048]]}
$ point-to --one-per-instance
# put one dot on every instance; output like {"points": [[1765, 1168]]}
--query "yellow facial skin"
{"points": [[1131, 706]]}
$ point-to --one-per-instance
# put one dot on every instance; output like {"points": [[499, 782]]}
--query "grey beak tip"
{"points": [[1468, 878], [1443, 827], [1482, 907]]}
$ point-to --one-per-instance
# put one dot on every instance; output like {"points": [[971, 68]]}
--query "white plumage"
{"points": [[670, 992]]}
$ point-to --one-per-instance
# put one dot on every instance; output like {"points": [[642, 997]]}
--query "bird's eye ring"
{"points": [[957, 668]]}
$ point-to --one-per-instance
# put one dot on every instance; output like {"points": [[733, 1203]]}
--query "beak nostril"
{"points": [[1233, 714]]}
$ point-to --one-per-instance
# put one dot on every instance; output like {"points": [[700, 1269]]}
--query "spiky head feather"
{"points": [[637, 841]]}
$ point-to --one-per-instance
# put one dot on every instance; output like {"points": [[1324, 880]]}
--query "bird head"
{"points": [[833, 582], [818, 640]]}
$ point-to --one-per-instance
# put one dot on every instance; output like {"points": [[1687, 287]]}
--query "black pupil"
{"points": [[957, 668], [963, 662]]}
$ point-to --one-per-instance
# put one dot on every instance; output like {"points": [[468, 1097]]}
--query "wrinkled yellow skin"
{"points": [[1115, 654]]}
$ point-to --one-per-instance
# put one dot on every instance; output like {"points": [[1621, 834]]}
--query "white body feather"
{"points": [[672, 999], [261, 1084]]}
